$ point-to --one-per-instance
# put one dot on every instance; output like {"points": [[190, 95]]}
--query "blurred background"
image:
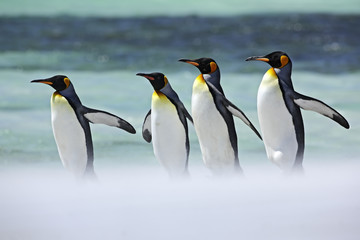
{"points": [[101, 45]]}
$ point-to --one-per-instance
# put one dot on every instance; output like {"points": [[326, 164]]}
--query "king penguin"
{"points": [[213, 119], [166, 126], [280, 119], [70, 124]]}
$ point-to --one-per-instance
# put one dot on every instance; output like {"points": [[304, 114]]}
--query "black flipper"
{"points": [[181, 107], [102, 117], [233, 109], [309, 103], [146, 128]]}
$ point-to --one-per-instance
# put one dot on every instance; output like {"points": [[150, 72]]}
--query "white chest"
{"points": [[69, 135], [211, 130], [276, 122], [168, 135]]}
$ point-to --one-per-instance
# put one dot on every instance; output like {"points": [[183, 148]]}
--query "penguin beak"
{"points": [[192, 62], [264, 59], [45, 81], [146, 76]]}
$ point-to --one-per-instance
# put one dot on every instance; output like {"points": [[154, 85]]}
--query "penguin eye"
{"points": [[67, 82], [284, 60], [213, 67]]}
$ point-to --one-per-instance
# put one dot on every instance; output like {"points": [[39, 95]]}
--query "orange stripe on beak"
{"points": [[193, 63], [262, 59], [46, 82], [190, 62]]}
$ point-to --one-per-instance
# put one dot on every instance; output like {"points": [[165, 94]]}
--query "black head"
{"points": [[157, 80], [276, 59], [205, 65], [58, 82]]}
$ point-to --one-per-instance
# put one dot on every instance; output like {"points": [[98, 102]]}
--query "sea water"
{"points": [[101, 50]]}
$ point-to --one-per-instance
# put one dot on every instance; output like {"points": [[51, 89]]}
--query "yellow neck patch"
{"points": [[200, 79], [158, 94], [271, 72], [270, 78], [159, 100], [57, 98], [56, 94], [200, 85]]}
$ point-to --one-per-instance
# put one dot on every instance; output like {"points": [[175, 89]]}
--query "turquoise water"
{"points": [[26, 135], [165, 8]]}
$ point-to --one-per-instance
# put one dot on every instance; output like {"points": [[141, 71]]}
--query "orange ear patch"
{"points": [[284, 60], [67, 82], [213, 67]]}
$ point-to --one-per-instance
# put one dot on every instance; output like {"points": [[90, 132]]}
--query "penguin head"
{"points": [[157, 80], [205, 65], [276, 59], [58, 82]]}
